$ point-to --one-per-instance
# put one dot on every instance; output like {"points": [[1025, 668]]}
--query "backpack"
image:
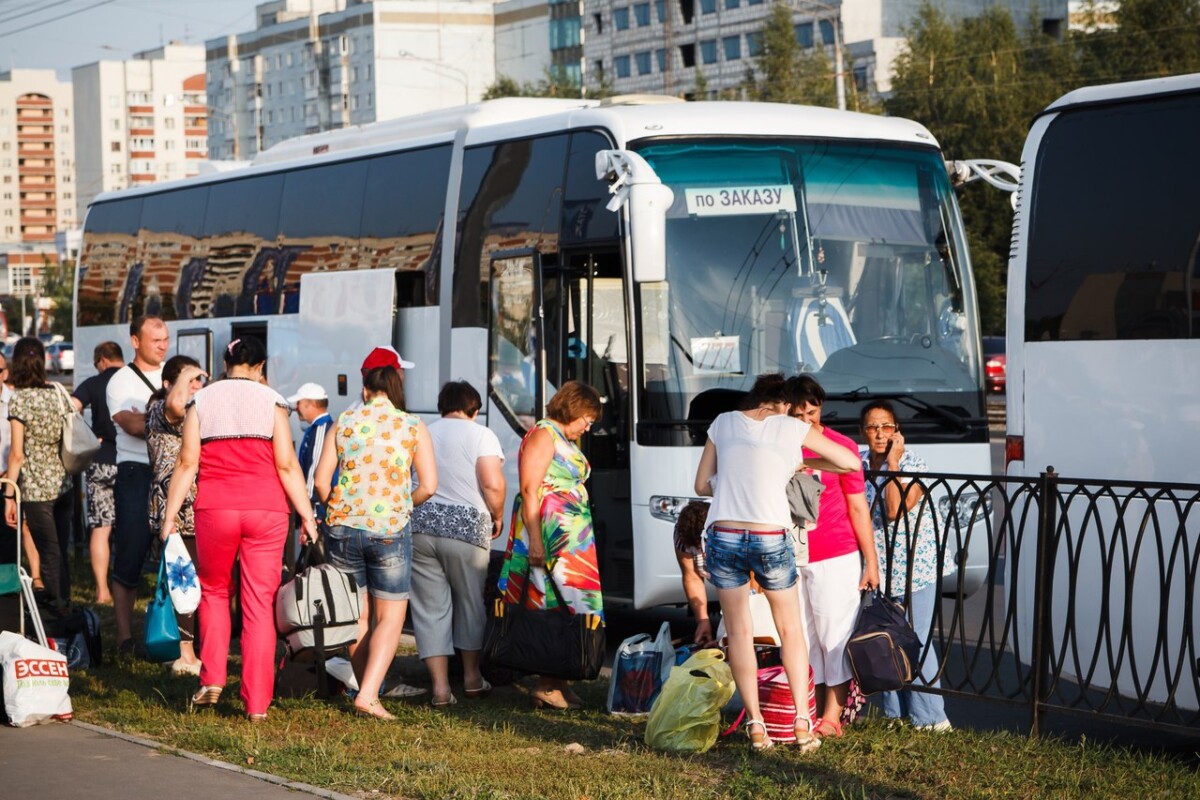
{"points": [[317, 611], [884, 649]]}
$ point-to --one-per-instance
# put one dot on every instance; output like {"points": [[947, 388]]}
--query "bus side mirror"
{"points": [[635, 186], [647, 214]]}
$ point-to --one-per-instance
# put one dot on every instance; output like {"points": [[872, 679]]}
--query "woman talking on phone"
{"points": [[904, 525]]}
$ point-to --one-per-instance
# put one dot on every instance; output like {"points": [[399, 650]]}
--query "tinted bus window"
{"points": [[511, 198], [109, 266], [171, 231], [1115, 224], [244, 274], [402, 218], [584, 216]]}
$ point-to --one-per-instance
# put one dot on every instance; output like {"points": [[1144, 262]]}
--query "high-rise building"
{"points": [[37, 153], [684, 47], [144, 120], [325, 64]]}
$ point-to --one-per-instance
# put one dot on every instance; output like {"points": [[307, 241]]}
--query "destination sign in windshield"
{"points": [[726, 200]]}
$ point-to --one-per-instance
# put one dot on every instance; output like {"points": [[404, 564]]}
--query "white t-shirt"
{"points": [[127, 392], [457, 445], [755, 461]]}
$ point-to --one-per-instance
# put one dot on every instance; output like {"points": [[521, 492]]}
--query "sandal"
{"points": [[806, 737], [762, 741], [483, 688], [444, 702], [207, 696], [374, 710], [824, 728], [256, 718]]}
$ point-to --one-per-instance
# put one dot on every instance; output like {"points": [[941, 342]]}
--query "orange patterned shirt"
{"points": [[375, 445]]}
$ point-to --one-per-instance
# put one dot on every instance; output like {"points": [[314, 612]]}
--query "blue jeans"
{"points": [[733, 556], [383, 564], [921, 708]]}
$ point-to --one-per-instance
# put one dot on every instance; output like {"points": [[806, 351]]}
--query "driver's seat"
{"points": [[817, 338]]}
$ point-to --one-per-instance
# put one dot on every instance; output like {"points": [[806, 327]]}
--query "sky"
{"points": [[61, 34]]}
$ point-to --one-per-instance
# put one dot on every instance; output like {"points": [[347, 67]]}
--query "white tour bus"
{"points": [[482, 244], [1104, 360]]}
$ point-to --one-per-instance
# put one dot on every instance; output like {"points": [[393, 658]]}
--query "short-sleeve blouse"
{"points": [[918, 532], [43, 476], [163, 440], [376, 444]]}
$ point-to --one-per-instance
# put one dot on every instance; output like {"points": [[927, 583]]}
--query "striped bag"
{"points": [[778, 708]]}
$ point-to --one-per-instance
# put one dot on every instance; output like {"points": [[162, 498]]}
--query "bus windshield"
{"points": [[842, 259]]}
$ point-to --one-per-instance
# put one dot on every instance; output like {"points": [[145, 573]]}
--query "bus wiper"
{"points": [[959, 424]]}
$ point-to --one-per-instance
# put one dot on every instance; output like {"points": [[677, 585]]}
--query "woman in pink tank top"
{"points": [[237, 445]]}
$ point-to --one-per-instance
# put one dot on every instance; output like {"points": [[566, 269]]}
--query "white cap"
{"points": [[308, 391]]}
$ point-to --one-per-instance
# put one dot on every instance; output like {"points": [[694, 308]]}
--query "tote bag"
{"points": [[182, 581], [79, 445], [162, 631], [551, 642]]}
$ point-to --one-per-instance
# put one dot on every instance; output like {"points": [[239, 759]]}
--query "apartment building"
{"points": [[318, 65], [676, 46], [37, 154], [145, 120]]}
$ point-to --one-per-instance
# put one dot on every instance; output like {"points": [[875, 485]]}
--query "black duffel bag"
{"points": [[551, 642], [884, 649]]}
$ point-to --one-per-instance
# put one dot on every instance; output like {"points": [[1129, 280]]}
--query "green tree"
{"points": [[555, 83], [787, 72], [1153, 39], [58, 282]]}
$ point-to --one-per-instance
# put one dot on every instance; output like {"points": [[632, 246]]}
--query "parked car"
{"points": [[60, 357], [995, 364]]}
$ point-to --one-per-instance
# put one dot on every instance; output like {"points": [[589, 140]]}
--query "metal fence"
{"points": [[1058, 594]]}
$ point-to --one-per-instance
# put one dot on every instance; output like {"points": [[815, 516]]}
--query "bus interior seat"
{"points": [[707, 406], [818, 331]]}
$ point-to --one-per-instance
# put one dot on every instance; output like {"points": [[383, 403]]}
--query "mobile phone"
{"points": [[888, 449]]}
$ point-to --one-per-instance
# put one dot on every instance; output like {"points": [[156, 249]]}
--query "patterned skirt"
{"points": [[570, 546]]}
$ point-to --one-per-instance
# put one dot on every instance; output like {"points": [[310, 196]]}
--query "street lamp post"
{"points": [[461, 75]]}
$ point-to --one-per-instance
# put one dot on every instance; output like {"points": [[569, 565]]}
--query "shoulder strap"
{"points": [[64, 396], [142, 375]]}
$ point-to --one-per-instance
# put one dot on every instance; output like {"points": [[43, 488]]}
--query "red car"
{"points": [[995, 364]]}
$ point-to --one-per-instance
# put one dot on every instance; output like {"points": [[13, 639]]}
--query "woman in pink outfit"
{"points": [[237, 445]]}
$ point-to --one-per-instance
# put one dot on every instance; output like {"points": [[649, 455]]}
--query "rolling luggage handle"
{"points": [[26, 594]]}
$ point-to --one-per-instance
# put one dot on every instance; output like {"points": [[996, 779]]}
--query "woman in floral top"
{"points": [[375, 448], [36, 412], [182, 378], [905, 526]]}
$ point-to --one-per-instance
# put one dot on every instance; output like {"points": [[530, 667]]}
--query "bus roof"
{"points": [[1115, 92], [628, 118]]}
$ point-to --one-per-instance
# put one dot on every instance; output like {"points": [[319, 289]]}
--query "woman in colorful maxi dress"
{"points": [[553, 499]]}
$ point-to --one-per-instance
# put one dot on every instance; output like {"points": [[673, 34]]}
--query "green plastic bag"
{"points": [[686, 716]]}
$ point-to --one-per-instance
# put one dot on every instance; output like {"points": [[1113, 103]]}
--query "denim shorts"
{"points": [[732, 557], [132, 536], [383, 564]]}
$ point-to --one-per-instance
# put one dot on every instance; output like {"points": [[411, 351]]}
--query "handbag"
{"points": [[883, 649], [182, 581], [79, 445], [162, 630], [551, 642]]}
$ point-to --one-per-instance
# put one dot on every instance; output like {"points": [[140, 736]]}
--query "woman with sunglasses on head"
{"points": [[747, 462], [181, 379], [237, 449], [905, 524], [552, 545]]}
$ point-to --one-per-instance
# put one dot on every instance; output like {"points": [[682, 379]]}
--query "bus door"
{"points": [[583, 317]]}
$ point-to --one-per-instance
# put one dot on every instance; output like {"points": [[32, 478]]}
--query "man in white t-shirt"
{"points": [[128, 394]]}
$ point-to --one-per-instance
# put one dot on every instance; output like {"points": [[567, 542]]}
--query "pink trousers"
{"points": [[256, 538]]}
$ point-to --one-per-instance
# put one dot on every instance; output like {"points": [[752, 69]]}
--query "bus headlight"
{"points": [[966, 510], [668, 508]]}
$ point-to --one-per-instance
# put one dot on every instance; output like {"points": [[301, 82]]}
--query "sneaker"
{"points": [[940, 727]]}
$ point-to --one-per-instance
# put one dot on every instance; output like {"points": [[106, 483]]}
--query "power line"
{"points": [[6, 34], [36, 8]]}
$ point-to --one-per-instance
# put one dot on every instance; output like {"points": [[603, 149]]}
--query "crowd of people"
{"points": [[411, 512]]}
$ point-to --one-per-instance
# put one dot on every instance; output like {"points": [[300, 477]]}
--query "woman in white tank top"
{"points": [[747, 462]]}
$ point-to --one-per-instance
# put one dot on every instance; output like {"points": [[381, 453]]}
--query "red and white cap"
{"points": [[385, 357]]}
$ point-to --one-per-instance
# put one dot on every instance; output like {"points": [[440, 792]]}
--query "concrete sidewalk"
{"points": [[79, 760]]}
